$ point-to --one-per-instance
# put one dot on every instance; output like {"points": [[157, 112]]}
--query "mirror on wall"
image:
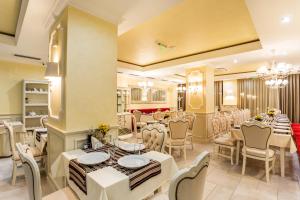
{"points": [[158, 96], [149, 95]]}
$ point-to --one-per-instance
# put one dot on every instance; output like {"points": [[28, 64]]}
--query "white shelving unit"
{"points": [[35, 102]]}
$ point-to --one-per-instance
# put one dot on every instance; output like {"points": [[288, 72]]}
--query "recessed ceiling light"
{"points": [[285, 19], [235, 61]]}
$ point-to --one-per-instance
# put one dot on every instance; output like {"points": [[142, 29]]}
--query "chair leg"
{"points": [[244, 164], [231, 155], [267, 170], [170, 150], [273, 166], [184, 152], [14, 173], [192, 143]]}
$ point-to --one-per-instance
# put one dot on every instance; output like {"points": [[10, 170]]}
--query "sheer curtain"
{"points": [[289, 99], [254, 95], [218, 93]]}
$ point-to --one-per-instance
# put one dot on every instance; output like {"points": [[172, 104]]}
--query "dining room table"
{"points": [[280, 138], [108, 181]]}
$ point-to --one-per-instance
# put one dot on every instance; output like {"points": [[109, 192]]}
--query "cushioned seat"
{"points": [[224, 140], [175, 142], [260, 153], [141, 124], [34, 151]]}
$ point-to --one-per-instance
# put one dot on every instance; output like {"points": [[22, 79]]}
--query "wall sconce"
{"points": [[52, 70], [195, 80]]}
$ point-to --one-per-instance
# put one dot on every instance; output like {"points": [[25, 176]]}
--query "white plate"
{"points": [[93, 158], [133, 161], [131, 146]]}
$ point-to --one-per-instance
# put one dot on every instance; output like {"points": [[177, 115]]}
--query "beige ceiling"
{"points": [[9, 14], [193, 27]]}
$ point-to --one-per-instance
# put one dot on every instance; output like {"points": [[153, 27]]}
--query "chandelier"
{"points": [[276, 76]]}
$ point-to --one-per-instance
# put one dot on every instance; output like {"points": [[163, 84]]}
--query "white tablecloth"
{"points": [[110, 184]]}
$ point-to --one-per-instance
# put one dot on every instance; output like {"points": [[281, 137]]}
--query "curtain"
{"points": [[218, 94], [289, 99], [254, 95]]}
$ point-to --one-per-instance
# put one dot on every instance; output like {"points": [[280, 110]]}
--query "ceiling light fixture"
{"points": [[285, 19], [235, 61], [276, 76]]}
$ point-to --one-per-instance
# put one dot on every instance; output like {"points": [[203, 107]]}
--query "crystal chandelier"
{"points": [[276, 76]]}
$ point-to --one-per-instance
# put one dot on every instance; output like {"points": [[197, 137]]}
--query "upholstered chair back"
{"points": [[32, 173], [178, 129], [43, 121], [256, 135], [154, 137], [157, 115], [137, 114], [188, 183], [216, 126], [11, 140], [191, 119]]}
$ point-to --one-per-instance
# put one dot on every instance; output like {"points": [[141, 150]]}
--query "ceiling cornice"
{"points": [[241, 47]]}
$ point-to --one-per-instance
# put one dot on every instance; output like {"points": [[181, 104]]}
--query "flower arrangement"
{"points": [[101, 132], [258, 118], [271, 113]]}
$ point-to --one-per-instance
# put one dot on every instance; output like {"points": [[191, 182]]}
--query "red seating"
{"points": [[150, 110]]}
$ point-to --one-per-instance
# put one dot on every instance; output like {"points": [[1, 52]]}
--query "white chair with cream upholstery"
{"points": [[158, 115], [256, 138], [188, 183], [191, 119], [154, 137], [177, 138], [43, 121], [17, 171], [33, 179], [138, 114], [222, 138]]}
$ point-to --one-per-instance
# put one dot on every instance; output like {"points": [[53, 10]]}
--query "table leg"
{"points": [[282, 157], [237, 157]]}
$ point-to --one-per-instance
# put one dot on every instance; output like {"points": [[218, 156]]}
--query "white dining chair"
{"points": [[222, 138], [33, 179], [177, 138], [138, 114], [44, 121], [154, 137], [256, 138], [188, 183], [17, 168], [158, 115], [191, 119]]}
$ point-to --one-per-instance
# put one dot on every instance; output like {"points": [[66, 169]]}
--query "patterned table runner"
{"points": [[78, 172], [38, 135]]}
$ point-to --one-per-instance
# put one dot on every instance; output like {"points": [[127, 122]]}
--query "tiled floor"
{"points": [[224, 181]]}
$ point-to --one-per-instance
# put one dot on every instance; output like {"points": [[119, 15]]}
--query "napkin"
{"points": [[96, 143]]}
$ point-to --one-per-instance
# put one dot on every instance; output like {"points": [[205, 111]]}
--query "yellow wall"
{"points": [[12, 75], [125, 81], [91, 76]]}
